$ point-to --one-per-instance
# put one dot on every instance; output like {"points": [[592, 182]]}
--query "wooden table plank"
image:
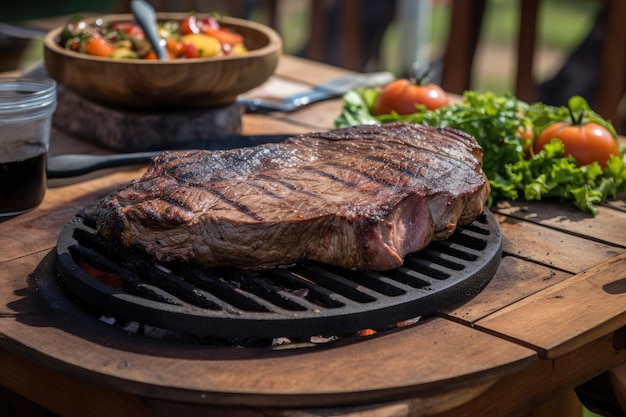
{"points": [[567, 315], [517, 395], [617, 204], [50, 389], [553, 247], [302, 70], [514, 280], [604, 227], [260, 124]]}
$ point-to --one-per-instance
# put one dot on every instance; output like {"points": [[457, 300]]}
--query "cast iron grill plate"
{"points": [[305, 300]]}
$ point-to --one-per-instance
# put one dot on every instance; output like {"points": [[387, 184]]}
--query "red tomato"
{"points": [[130, 29], [98, 47], [189, 25], [587, 142], [175, 47], [150, 55], [189, 50], [403, 95]]}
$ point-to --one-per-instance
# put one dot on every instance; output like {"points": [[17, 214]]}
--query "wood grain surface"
{"points": [[551, 318]]}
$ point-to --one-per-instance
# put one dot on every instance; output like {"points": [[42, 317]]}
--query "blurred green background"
{"points": [[20, 11]]}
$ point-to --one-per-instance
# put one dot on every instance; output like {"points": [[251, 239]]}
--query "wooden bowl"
{"points": [[174, 84]]}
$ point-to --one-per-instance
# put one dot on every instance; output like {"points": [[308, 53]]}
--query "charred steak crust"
{"points": [[362, 197]]}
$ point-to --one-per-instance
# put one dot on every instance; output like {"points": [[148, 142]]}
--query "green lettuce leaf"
{"points": [[512, 169]]}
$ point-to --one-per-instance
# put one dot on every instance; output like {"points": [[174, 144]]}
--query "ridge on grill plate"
{"points": [[301, 301]]}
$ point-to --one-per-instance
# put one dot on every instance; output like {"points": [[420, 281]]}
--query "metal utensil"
{"points": [[332, 89], [21, 32], [71, 165], [146, 18]]}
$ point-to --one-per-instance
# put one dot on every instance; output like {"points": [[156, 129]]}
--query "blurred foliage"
{"points": [[19, 11], [562, 24]]}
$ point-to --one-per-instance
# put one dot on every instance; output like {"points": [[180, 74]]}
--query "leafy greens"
{"points": [[498, 123]]}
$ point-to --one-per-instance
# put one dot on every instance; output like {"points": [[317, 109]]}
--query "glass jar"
{"points": [[26, 109]]}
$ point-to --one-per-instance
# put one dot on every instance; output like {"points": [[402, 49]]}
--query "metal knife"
{"points": [[332, 89]]}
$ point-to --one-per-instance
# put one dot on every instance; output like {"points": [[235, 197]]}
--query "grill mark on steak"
{"points": [[175, 202], [264, 189], [360, 197], [399, 168], [285, 184], [175, 166], [350, 184], [369, 176], [235, 204], [421, 172]]}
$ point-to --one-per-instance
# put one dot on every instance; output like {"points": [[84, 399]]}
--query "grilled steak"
{"points": [[361, 197]]}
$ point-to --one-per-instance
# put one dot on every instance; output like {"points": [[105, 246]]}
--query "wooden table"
{"points": [[552, 318]]}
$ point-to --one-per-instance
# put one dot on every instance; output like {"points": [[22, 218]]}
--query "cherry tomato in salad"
{"points": [[189, 25], [129, 29], [150, 55], [190, 50], [98, 46], [174, 47], [403, 95], [188, 37], [586, 142], [181, 49]]}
